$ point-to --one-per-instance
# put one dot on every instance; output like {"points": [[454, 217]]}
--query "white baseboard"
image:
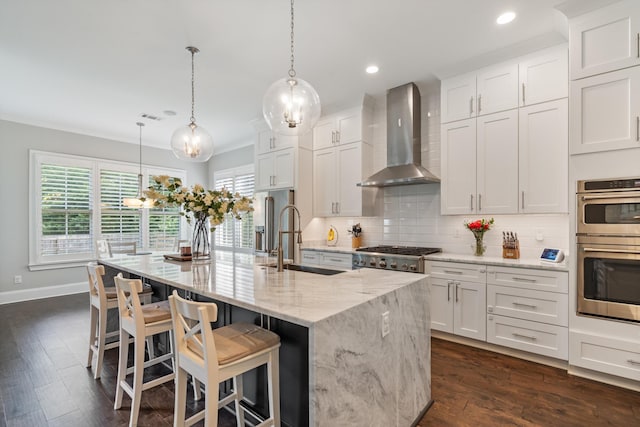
{"points": [[10, 297]]}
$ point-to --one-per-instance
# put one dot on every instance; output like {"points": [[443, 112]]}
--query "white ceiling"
{"points": [[93, 67]]}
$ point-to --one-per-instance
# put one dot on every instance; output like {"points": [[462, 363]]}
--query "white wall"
{"points": [[229, 160], [16, 140], [412, 213]]}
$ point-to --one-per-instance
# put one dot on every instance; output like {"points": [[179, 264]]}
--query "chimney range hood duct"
{"points": [[403, 142]]}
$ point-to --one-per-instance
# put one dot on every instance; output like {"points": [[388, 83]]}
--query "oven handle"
{"points": [[613, 251], [626, 196]]}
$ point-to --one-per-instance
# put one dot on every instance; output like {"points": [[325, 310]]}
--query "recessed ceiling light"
{"points": [[372, 69], [505, 18]]}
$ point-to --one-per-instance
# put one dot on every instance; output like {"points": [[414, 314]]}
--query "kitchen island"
{"points": [[336, 367]]}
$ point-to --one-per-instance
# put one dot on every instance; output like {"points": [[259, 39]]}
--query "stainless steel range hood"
{"points": [[403, 142]]}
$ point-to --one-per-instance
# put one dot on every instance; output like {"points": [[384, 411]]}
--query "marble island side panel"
{"points": [[358, 377]]}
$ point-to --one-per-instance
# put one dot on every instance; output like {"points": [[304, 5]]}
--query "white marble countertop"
{"points": [[499, 261], [241, 280]]}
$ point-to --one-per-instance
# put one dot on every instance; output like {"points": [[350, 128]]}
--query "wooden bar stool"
{"points": [[215, 355], [139, 322], [101, 299]]}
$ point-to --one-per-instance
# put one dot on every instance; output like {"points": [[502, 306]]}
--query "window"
{"points": [[236, 234], [76, 200]]}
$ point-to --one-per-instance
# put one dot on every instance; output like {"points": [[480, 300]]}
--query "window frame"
{"points": [[37, 158], [232, 173]]}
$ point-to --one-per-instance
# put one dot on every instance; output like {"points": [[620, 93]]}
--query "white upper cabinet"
{"points": [[342, 128], [458, 98], [543, 152], [276, 170], [486, 91], [458, 154], [268, 141], [605, 113], [544, 76], [497, 89], [497, 163], [605, 40]]}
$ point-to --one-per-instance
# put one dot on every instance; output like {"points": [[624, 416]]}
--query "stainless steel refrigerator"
{"points": [[267, 206]]}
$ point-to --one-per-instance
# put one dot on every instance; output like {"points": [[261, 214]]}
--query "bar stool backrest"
{"points": [[96, 285], [122, 247], [128, 301]]}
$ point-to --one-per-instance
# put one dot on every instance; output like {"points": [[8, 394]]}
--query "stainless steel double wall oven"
{"points": [[608, 243]]}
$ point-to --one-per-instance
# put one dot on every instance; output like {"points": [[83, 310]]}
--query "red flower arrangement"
{"points": [[478, 228]]}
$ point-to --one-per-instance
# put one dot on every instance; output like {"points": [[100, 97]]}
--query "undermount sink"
{"points": [[308, 269]]}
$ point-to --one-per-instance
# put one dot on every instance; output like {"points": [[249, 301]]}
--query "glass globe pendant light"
{"points": [[291, 106], [139, 202], [192, 142]]}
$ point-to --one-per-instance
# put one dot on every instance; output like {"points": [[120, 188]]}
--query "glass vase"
{"points": [[479, 247], [200, 247]]}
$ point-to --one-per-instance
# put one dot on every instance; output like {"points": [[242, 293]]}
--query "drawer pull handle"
{"points": [[532, 338], [452, 272], [471, 106], [633, 362], [457, 284], [524, 305], [523, 279], [448, 291]]}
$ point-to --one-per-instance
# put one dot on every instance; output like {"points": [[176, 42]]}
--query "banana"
{"points": [[331, 235]]}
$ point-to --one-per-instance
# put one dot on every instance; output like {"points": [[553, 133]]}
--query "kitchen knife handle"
{"points": [[471, 106], [471, 206], [523, 98], [479, 202], [479, 103]]}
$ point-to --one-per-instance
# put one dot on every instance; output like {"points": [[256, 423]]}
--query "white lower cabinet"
{"points": [[326, 259], [458, 296], [535, 337], [605, 354], [522, 308]]}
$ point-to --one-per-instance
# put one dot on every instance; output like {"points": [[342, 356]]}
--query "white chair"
{"points": [[122, 247], [102, 249], [139, 322], [215, 355], [101, 299]]}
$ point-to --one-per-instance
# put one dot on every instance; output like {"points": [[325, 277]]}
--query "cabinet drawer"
{"points": [[310, 258], [336, 260], [541, 280], [457, 271], [539, 338], [537, 306], [612, 356]]}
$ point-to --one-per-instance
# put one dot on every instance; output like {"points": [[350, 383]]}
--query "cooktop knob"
{"points": [[412, 267], [404, 266], [372, 262], [393, 265], [382, 264]]}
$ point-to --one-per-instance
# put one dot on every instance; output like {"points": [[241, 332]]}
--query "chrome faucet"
{"points": [[280, 233]]}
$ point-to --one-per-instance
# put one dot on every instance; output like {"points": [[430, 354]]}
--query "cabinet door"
{"points": [[283, 163], [605, 112], [497, 89], [442, 305], [458, 154], [469, 314], [544, 77], [497, 163], [606, 39], [324, 182], [349, 127], [324, 134], [264, 171], [349, 173], [284, 141], [544, 140], [457, 98], [265, 142]]}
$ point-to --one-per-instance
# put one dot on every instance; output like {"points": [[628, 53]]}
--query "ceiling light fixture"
{"points": [[372, 69], [192, 142], [505, 18], [291, 106], [139, 202]]}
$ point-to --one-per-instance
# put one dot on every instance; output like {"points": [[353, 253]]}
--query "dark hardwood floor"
{"points": [[43, 382]]}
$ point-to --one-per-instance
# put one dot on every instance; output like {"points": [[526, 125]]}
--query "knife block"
{"points": [[511, 253], [356, 242]]}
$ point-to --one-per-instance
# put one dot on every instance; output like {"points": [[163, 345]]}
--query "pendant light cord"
{"points": [[292, 72], [140, 124], [193, 92]]}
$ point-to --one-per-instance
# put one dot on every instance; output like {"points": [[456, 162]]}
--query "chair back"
{"points": [[128, 300], [95, 272], [193, 334], [102, 249], [122, 248]]}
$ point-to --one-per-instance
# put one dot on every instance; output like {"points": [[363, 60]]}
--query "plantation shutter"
{"points": [[66, 210], [164, 226], [223, 236], [118, 222], [244, 231]]}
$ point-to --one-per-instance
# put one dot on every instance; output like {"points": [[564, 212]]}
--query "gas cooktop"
{"points": [[400, 250]]}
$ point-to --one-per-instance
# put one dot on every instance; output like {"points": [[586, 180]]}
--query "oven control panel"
{"points": [[388, 262]]}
